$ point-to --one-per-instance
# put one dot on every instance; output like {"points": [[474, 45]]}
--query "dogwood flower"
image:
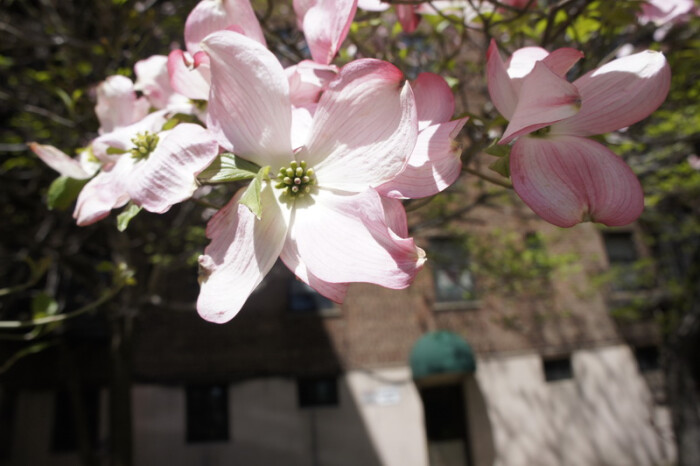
{"points": [[325, 24], [435, 162], [562, 175], [189, 70], [318, 209]]}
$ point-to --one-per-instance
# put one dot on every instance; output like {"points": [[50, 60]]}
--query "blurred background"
{"points": [[520, 343]]}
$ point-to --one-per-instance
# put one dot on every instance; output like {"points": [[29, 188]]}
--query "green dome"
{"points": [[441, 352]]}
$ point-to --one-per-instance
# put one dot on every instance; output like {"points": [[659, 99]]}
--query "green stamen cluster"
{"points": [[295, 180], [144, 143]]}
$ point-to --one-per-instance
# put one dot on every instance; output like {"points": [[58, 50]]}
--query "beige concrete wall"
{"points": [[604, 415], [392, 412]]}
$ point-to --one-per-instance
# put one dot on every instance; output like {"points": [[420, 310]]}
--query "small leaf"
{"points": [[43, 305], [127, 214], [251, 196], [498, 151], [63, 191], [227, 168], [115, 151], [502, 166]]}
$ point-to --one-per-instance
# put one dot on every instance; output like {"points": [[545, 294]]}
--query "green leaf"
{"points": [[502, 166], [227, 168], [63, 191], [115, 151], [251, 196], [498, 151], [43, 305], [127, 214]]}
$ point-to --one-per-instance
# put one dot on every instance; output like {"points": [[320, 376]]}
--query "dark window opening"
{"points": [[207, 413], [647, 358], [446, 424], [622, 255], [451, 274], [317, 391], [68, 418], [557, 369]]}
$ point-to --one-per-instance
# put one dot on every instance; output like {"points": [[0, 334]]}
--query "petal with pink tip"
{"points": [[435, 102], [242, 250], [408, 18], [117, 104], [169, 174], [569, 179], [60, 161], [307, 80], [106, 191], [500, 85], [216, 15], [619, 94], [395, 216], [364, 128], [434, 164], [326, 24], [561, 60], [153, 80], [187, 80], [334, 291], [344, 238], [250, 112], [545, 98]]}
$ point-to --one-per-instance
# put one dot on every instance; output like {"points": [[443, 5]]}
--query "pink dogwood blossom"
{"points": [[325, 24], [435, 162], [562, 175], [321, 213]]}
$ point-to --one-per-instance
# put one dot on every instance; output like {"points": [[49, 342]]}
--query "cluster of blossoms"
{"points": [[331, 151]]}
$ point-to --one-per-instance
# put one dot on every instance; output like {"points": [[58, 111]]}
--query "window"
{"points": [[647, 358], [556, 369], [622, 255], [304, 299], [207, 413], [66, 423], [317, 391], [451, 275]]}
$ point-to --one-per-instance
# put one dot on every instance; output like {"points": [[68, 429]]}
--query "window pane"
{"points": [[207, 413], [451, 275], [65, 422], [303, 298], [317, 391], [557, 369]]}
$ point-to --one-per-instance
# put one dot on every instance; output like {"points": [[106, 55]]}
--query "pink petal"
{"points": [[290, 256], [186, 79], [216, 15], [250, 112], [153, 80], [523, 60], [434, 164], [364, 128], [106, 191], [169, 174], [117, 104], [408, 17], [307, 80], [395, 216], [326, 24], [568, 179], [344, 238], [242, 250], [561, 60], [619, 94], [545, 98], [373, 5], [121, 137], [501, 88], [435, 102], [60, 161]]}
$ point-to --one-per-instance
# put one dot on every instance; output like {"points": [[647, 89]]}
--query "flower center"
{"points": [[296, 180], [144, 143]]}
